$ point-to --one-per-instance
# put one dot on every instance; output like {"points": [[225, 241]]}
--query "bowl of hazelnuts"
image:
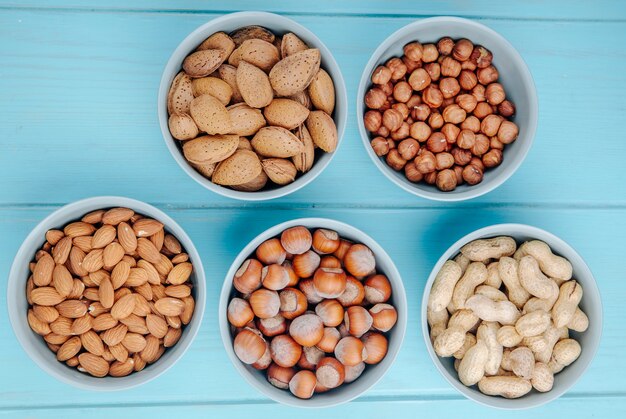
{"points": [[447, 108]]}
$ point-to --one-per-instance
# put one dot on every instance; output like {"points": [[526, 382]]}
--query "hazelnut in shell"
{"points": [[265, 303], [310, 357], [285, 351], [353, 294], [271, 251], [330, 262], [325, 241], [359, 261], [249, 346], [329, 282], [350, 351], [377, 289], [302, 385], [248, 276], [296, 240], [275, 277], [376, 345], [330, 373], [331, 312], [293, 303], [358, 320], [273, 326], [304, 265], [384, 317], [308, 289], [307, 329], [353, 372], [280, 376], [265, 361], [329, 340], [239, 312]]}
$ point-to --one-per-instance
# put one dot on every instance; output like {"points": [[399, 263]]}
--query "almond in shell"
{"points": [[239, 36], [210, 148], [285, 113], [244, 144], [202, 63], [254, 85], [304, 161], [303, 99], [322, 92], [210, 115], [323, 130], [182, 126], [179, 96], [228, 73], [245, 119], [213, 86], [294, 73], [280, 171], [219, 40], [242, 167], [205, 169], [254, 185], [291, 44], [260, 53], [276, 142]]}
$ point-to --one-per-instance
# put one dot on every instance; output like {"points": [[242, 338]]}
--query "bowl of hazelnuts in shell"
{"points": [[447, 108], [312, 312]]}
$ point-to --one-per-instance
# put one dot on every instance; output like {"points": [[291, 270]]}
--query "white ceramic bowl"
{"points": [[279, 25], [372, 373], [514, 76], [591, 304], [35, 346]]}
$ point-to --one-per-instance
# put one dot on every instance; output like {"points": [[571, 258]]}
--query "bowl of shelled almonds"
{"points": [[447, 108], [252, 105]]}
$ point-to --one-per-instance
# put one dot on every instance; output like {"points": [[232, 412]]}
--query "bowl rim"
{"points": [[286, 397], [499, 230], [329, 62], [87, 205], [476, 190]]}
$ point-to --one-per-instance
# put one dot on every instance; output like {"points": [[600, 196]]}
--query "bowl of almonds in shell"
{"points": [[106, 293], [252, 105]]}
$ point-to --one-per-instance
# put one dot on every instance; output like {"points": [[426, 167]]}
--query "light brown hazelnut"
{"points": [[414, 100], [420, 131], [479, 93], [508, 132], [481, 145], [487, 75], [402, 91], [453, 114], [506, 108], [476, 161], [425, 161], [495, 94], [375, 98], [410, 64], [482, 109], [408, 148], [447, 101], [435, 120], [395, 160], [401, 133], [434, 71], [449, 87], [397, 67], [496, 144], [445, 45], [450, 67], [392, 119], [446, 180], [451, 131], [430, 178], [386, 105], [372, 120], [462, 49], [429, 53], [471, 123], [468, 65], [466, 139], [411, 172], [402, 108], [432, 96], [381, 75], [380, 146], [481, 56], [472, 174], [444, 161], [466, 101], [383, 131], [492, 158], [387, 88], [413, 51], [419, 79], [468, 79], [461, 156], [458, 171], [420, 112], [437, 142], [490, 125]]}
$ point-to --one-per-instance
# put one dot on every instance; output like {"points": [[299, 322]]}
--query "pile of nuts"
{"points": [[311, 310], [439, 113], [505, 314], [110, 293], [252, 107]]}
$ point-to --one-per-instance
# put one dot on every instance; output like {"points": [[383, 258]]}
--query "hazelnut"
{"points": [[437, 142], [472, 174], [492, 158], [462, 49], [271, 251], [429, 53], [495, 94], [402, 108], [354, 293], [450, 67], [330, 373], [350, 351], [280, 376], [482, 110], [397, 67], [468, 79], [248, 277], [372, 120], [432, 96], [414, 101], [384, 316], [375, 98], [359, 260], [411, 172], [471, 123], [392, 119], [451, 131], [304, 265], [467, 102], [461, 156], [402, 132], [430, 178], [479, 93], [481, 56], [413, 51], [385, 106], [331, 313], [408, 148], [419, 79], [468, 65], [302, 385], [273, 326], [444, 161], [306, 330], [496, 144], [420, 131], [265, 303], [453, 114], [446, 180], [449, 87], [481, 145], [324, 242], [506, 108], [239, 312], [487, 75], [387, 88], [383, 131], [293, 303], [434, 71], [445, 45], [447, 101], [395, 160], [410, 64], [381, 75], [508, 132], [490, 125], [376, 345], [478, 163], [330, 282], [402, 91], [466, 139], [420, 112], [425, 162], [458, 171], [249, 346], [435, 120], [380, 146]]}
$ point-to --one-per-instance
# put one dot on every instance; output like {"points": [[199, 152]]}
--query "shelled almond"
{"points": [[310, 308], [111, 292], [253, 109]]}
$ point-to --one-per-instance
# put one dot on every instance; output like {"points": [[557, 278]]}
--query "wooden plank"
{"points": [[79, 117]]}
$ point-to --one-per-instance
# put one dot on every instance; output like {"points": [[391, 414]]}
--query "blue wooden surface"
{"points": [[78, 86]]}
